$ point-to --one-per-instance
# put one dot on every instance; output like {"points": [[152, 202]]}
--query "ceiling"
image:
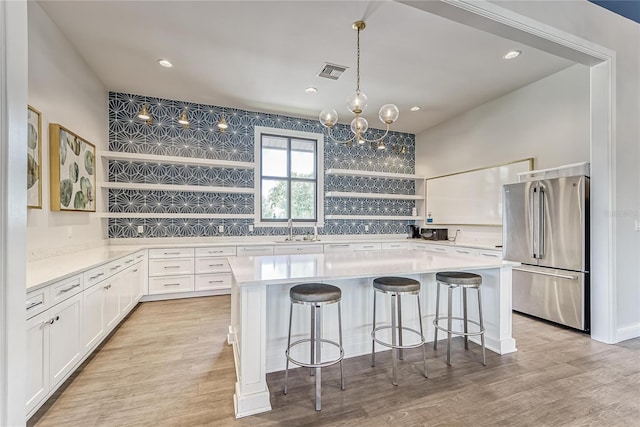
{"points": [[261, 55]]}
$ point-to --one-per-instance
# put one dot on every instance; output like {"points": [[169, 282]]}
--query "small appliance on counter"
{"points": [[435, 233], [413, 232]]}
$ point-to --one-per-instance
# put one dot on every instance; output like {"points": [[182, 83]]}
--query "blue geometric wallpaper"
{"points": [[164, 136]]}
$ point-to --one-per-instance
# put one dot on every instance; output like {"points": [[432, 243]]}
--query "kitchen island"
{"points": [[260, 306]]}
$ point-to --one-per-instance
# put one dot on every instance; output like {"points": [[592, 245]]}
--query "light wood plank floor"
{"points": [[169, 365]]}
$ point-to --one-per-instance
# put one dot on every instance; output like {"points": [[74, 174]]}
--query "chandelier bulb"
{"points": [[328, 118], [388, 114]]}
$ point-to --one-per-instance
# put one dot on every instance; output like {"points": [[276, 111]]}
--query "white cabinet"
{"points": [[111, 306], [171, 284], [366, 246], [305, 248], [126, 290], [37, 374], [138, 281], [170, 267], [430, 247], [388, 246], [206, 282], [65, 339], [254, 250], [337, 247], [216, 251], [212, 265], [94, 316], [171, 253], [464, 251]]}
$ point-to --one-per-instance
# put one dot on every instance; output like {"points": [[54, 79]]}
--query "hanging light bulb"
{"points": [[144, 114], [222, 124]]}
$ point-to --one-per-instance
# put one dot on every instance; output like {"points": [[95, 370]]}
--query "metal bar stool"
{"points": [[315, 295], [464, 280], [396, 287]]}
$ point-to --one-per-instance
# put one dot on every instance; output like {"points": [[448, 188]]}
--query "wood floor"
{"points": [[169, 365]]}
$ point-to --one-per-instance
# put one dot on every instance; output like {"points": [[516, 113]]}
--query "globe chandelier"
{"points": [[357, 103]]}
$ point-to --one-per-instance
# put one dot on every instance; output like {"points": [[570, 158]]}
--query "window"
{"points": [[288, 176]]}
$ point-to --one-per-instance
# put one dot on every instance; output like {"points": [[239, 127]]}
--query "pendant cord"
{"points": [[358, 62]]}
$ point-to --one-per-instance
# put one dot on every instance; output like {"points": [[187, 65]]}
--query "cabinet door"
{"points": [[137, 282], [126, 284], [111, 302], [93, 316], [65, 339], [37, 380]]}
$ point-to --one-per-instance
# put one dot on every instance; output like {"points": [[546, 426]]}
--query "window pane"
{"points": [[274, 156], [274, 199], [303, 200], [303, 164]]}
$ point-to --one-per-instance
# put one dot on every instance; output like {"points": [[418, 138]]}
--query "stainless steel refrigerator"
{"points": [[546, 228]]}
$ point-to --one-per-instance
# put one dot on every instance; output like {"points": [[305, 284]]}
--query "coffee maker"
{"points": [[413, 232]]}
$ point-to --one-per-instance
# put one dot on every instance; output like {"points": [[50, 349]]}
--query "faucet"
{"points": [[290, 227], [455, 236]]}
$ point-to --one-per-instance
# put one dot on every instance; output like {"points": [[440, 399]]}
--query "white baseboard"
{"points": [[628, 332]]}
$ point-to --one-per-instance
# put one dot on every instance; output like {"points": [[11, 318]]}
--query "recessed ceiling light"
{"points": [[165, 63], [512, 54], [311, 89], [416, 108]]}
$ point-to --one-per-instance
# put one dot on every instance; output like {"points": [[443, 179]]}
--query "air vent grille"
{"points": [[332, 71]]}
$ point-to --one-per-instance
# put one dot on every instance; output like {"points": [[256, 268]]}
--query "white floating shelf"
{"points": [[374, 195], [372, 174], [173, 215], [176, 187], [174, 160], [376, 217]]}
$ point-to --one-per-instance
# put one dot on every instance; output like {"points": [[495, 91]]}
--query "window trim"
{"points": [[257, 181]]}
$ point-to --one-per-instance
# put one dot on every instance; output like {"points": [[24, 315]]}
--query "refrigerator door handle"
{"points": [[561, 276], [541, 205], [532, 194]]}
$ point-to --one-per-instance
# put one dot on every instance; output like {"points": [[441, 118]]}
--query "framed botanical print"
{"points": [[73, 171], [34, 158]]}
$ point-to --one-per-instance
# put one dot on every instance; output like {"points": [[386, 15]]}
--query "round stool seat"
{"points": [[315, 292], [396, 284], [459, 278]]}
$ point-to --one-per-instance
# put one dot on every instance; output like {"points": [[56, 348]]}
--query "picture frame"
{"points": [[72, 161], [34, 158]]}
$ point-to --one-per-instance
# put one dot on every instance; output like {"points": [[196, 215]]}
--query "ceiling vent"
{"points": [[332, 71]]}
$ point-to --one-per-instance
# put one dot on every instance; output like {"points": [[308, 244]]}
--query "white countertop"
{"points": [[318, 267]]}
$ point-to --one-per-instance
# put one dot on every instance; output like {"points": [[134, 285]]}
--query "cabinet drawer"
{"points": [[138, 256], [297, 249], [168, 285], [395, 246], [94, 276], [490, 254], [464, 251], [62, 290], [254, 250], [171, 253], [212, 265], [433, 248], [37, 301], [337, 247], [116, 266], [213, 281], [219, 251], [170, 267], [367, 246]]}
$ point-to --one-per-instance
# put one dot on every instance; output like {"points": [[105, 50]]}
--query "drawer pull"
{"points": [[216, 252], [172, 266], [220, 265], [63, 291], [116, 267], [171, 284], [107, 287], [34, 304], [135, 271], [50, 321], [128, 261], [172, 253], [491, 255], [338, 246], [368, 247], [96, 276], [463, 252], [254, 249], [395, 246], [216, 281], [139, 256]]}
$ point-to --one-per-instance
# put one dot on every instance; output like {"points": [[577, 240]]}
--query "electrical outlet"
{"points": [[221, 229], [250, 228], [141, 229], [366, 228]]}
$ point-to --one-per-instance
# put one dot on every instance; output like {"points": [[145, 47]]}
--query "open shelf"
{"points": [[174, 215], [174, 160], [372, 174], [376, 217], [176, 187], [374, 195]]}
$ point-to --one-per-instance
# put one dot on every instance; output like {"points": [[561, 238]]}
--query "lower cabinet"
{"points": [[54, 347]]}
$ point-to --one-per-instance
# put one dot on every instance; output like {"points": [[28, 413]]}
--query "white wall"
{"points": [[66, 91], [547, 120], [622, 35]]}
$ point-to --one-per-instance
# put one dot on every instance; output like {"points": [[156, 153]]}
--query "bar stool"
{"points": [[315, 295], [396, 287], [464, 280]]}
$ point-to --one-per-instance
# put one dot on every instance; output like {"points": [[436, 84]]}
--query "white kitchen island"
{"points": [[260, 306]]}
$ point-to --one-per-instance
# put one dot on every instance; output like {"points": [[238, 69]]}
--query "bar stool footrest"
{"points": [[386, 344], [315, 365], [469, 334]]}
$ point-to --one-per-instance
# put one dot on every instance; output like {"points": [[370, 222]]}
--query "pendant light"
{"points": [[184, 119], [144, 114]]}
